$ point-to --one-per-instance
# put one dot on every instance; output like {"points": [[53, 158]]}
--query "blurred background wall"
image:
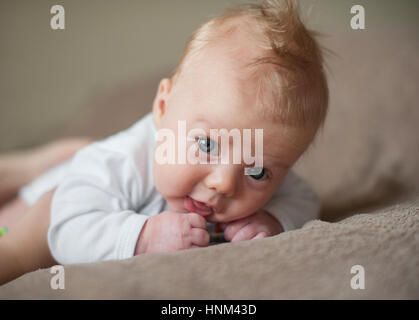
{"points": [[100, 74]]}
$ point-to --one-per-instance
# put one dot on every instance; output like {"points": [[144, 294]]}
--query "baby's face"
{"points": [[211, 95]]}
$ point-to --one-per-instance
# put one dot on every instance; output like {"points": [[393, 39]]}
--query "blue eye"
{"points": [[207, 145], [256, 173]]}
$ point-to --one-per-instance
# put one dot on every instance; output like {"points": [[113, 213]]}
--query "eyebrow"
{"points": [[278, 162], [202, 118]]}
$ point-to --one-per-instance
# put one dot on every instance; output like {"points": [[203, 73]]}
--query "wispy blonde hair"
{"points": [[292, 85]]}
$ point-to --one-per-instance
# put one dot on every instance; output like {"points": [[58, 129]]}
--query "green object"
{"points": [[217, 237], [3, 231]]}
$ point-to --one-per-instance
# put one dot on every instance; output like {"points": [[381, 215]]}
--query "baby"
{"points": [[254, 67]]}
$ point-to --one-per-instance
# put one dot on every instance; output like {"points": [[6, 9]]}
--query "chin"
{"points": [[220, 218], [212, 219]]}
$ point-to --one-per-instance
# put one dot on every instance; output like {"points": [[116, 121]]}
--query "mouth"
{"points": [[198, 207]]}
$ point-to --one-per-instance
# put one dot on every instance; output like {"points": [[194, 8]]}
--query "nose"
{"points": [[223, 179]]}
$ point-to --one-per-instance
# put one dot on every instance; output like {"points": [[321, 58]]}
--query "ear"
{"points": [[160, 101]]}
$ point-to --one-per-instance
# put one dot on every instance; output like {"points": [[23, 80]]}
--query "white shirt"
{"points": [[106, 193]]}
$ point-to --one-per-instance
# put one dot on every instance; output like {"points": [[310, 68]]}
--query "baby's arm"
{"points": [[171, 231], [92, 211], [93, 215], [294, 203]]}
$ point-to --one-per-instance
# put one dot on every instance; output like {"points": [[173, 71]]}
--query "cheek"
{"points": [[253, 202], [249, 202], [173, 180]]}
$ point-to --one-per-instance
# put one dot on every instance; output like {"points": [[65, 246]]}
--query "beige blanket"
{"points": [[311, 263]]}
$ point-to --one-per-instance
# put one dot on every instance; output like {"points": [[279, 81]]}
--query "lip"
{"points": [[199, 207]]}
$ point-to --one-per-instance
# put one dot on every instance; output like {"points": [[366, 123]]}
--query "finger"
{"points": [[233, 227], [245, 233], [261, 235], [199, 237], [197, 221]]}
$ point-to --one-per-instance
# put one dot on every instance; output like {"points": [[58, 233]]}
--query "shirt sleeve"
{"points": [[92, 211], [294, 203]]}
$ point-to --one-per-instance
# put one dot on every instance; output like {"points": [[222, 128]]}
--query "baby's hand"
{"points": [[256, 226], [171, 231]]}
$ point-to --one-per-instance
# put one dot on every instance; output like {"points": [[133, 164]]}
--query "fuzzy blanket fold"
{"points": [[311, 263]]}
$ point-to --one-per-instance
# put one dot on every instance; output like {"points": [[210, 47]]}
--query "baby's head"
{"points": [[255, 67]]}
